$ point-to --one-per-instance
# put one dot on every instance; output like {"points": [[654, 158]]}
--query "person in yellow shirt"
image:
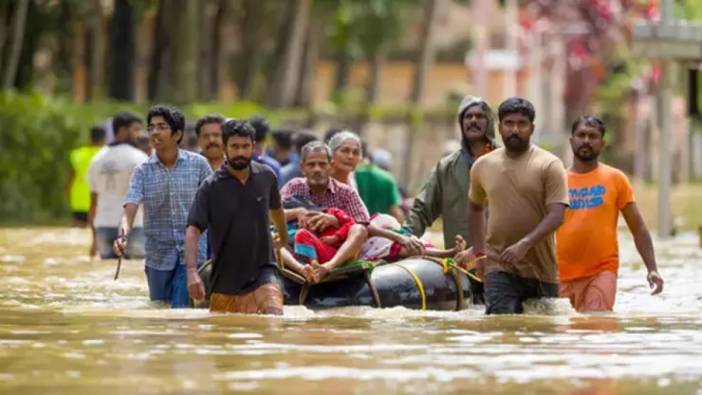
{"points": [[586, 243], [77, 183]]}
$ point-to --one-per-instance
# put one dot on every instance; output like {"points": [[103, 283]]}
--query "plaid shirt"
{"points": [[337, 195], [167, 195]]}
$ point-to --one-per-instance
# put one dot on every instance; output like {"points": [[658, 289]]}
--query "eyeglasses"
{"points": [[161, 127]]}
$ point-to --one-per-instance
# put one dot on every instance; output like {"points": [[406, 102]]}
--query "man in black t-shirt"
{"points": [[236, 204]]}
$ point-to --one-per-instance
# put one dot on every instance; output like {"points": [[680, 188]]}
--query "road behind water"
{"points": [[67, 328]]}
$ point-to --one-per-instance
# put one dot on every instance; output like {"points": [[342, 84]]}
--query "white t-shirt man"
{"points": [[109, 174]]}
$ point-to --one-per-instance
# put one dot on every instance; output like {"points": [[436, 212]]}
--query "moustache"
{"points": [[212, 145]]}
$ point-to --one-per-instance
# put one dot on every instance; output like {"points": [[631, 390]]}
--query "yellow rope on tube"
{"points": [[419, 284]]}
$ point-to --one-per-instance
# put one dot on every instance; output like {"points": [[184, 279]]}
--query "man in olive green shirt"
{"points": [[445, 192]]}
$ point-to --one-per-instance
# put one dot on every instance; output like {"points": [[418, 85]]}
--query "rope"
{"points": [[449, 262], [418, 283]]}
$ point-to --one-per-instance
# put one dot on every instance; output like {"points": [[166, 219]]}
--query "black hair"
{"points": [[283, 138], [235, 127], [331, 132], [516, 105], [173, 117], [261, 127], [207, 119], [123, 119], [301, 139], [97, 134], [591, 121]]}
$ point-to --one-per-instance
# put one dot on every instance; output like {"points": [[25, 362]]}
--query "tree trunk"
{"points": [[158, 54], [210, 45], [343, 67], [185, 32], [427, 51], [4, 20], [305, 89], [251, 59], [287, 69], [375, 75], [121, 78], [79, 78], [64, 66], [284, 28], [19, 20], [97, 61]]}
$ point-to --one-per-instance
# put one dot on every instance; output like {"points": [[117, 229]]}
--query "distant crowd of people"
{"points": [[331, 201]]}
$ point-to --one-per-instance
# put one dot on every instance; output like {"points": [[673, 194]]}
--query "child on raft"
{"points": [[386, 238]]}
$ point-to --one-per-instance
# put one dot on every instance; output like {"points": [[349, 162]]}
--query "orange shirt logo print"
{"points": [[584, 198]]}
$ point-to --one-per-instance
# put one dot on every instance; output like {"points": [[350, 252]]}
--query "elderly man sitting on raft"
{"points": [[325, 192]]}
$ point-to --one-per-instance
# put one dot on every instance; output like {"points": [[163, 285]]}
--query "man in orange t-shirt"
{"points": [[586, 243]]}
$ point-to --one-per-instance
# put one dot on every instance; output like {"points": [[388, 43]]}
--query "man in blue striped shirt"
{"points": [[166, 185]]}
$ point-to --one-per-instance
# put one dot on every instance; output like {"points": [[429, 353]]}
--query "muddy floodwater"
{"points": [[67, 328]]}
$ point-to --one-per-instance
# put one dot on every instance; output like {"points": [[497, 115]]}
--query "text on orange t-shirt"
{"points": [[586, 243]]}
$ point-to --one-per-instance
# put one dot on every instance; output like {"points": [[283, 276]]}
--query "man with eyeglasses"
{"points": [[166, 185]]}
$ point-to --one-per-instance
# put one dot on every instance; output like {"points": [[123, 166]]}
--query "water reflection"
{"points": [[67, 327]]}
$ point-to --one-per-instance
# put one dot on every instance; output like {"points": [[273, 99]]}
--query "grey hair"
{"points": [[315, 146], [342, 137]]}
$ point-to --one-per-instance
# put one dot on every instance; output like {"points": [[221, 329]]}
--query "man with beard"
{"points": [[444, 193], [166, 185], [236, 204], [587, 250], [526, 189], [108, 176], [209, 138]]}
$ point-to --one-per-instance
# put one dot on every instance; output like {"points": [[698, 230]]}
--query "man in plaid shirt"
{"points": [[166, 184], [324, 191]]}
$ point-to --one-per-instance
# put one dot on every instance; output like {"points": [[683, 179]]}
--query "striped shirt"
{"points": [[337, 195], [167, 195]]}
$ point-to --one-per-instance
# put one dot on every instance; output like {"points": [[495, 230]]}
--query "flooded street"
{"points": [[67, 328]]}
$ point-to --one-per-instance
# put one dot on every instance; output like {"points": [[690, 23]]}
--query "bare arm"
{"points": [[476, 224], [69, 180], [644, 244], [91, 222], [551, 221], [192, 237], [396, 211], [294, 214], [125, 227], [196, 288], [278, 219], [413, 245]]}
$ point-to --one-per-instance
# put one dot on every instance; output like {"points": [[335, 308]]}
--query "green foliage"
{"points": [[37, 136], [690, 10], [361, 28]]}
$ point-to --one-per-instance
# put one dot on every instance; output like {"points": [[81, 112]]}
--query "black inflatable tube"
{"points": [[397, 284]]}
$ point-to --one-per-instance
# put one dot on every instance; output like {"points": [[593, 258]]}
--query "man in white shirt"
{"points": [[109, 175]]}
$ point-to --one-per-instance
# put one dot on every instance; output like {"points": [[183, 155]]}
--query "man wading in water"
{"points": [[526, 189], [166, 184], [444, 193], [234, 204], [588, 254]]}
